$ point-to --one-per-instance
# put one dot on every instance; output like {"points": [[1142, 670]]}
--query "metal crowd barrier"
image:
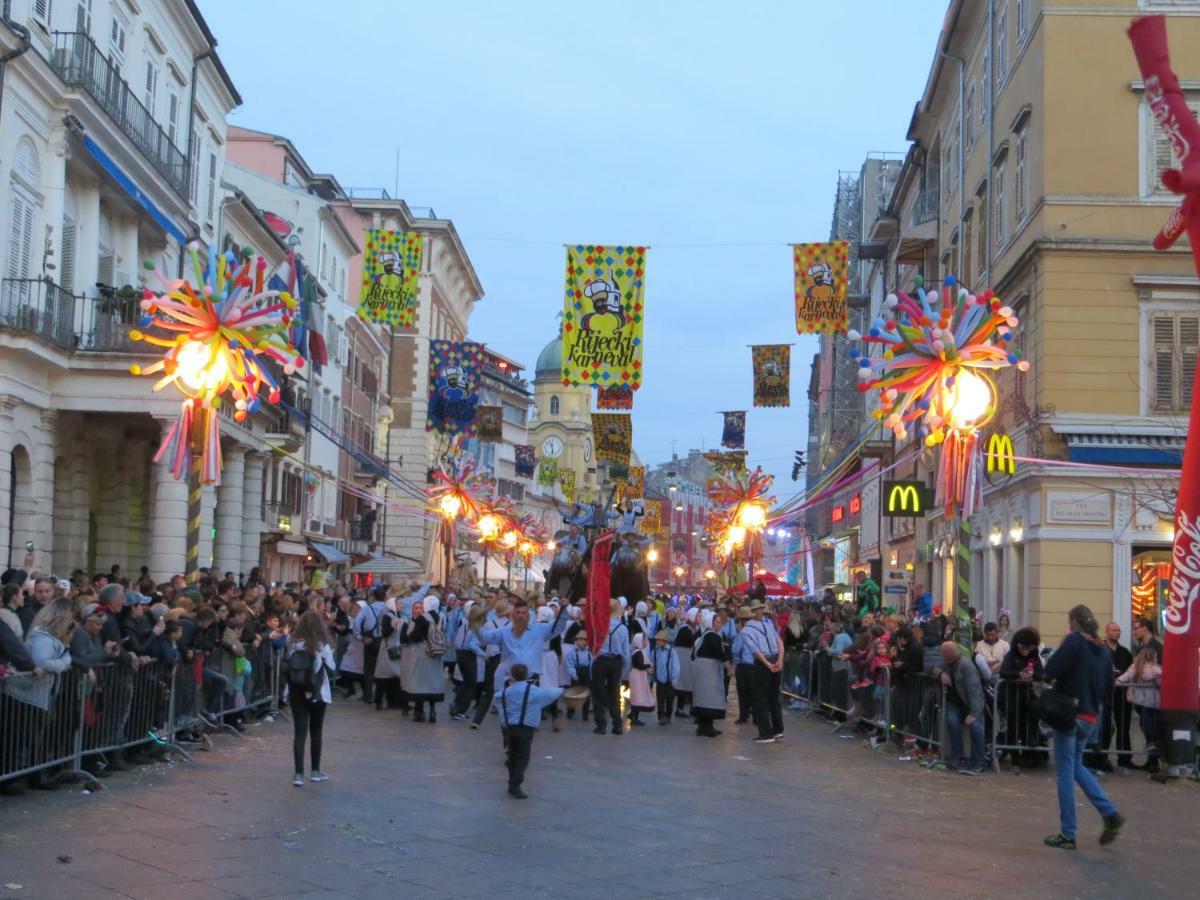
{"points": [[51, 724], [246, 690]]}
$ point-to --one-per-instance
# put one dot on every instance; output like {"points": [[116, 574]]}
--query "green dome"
{"points": [[549, 361]]}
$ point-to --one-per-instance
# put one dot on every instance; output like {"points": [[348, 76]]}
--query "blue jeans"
{"points": [[1068, 761], [955, 721]]}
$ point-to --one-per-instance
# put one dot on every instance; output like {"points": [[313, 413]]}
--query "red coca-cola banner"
{"points": [[1181, 641], [599, 592]]}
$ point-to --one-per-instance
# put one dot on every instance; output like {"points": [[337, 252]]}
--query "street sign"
{"points": [[906, 499]]}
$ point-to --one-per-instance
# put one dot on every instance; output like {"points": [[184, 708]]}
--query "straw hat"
{"points": [[661, 635]]}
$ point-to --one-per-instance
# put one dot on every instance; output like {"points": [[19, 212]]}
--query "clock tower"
{"points": [[563, 426]]}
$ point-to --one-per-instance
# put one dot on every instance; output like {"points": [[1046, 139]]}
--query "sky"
{"points": [[712, 132]]}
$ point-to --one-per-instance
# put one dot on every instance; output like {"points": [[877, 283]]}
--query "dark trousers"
{"points": [[464, 691], [768, 708], [519, 745], [370, 657], [664, 695], [606, 690], [489, 680], [743, 676], [308, 721]]}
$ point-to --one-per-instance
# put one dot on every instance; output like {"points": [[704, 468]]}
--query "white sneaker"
{"points": [[317, 776], [298, 781]]}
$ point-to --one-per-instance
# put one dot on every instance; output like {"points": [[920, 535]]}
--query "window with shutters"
{"points": [[151, 85], [116, 40], [105, 255], [24, 183], [211, 206], [1021, 183], [969, 118], [1161, 155], [1002, 43], [999, 208], [985, 80], [83, 17], [981, 237], [41, 13], [67, 241], [1175, 341], [194, 169], [1022, 19], [172, 117], [967, 248]]}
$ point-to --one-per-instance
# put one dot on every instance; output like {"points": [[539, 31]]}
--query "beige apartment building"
{"points": [[1034, 170]]}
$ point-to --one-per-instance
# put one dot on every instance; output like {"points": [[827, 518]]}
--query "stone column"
{"points": [[229, 513], [252, 523], [7, 405], [208, 510], [168, 553], [42, 463]]}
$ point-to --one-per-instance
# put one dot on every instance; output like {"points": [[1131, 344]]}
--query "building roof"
{"points": [[549, 361]]}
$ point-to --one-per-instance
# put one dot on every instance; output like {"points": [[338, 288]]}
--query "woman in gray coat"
{"points": [[423, 679]]}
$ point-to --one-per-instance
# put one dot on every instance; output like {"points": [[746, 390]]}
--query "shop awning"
{"points": [[1123, 449], [290, 548], [134, 191], [386, 565], [330, 553]]}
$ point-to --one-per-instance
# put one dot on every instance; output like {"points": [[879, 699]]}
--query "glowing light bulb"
{"points": [[509, 540], [710, 574], [489, 527], [752, 516], [199, 368], [652, 555], [969, 400], [451, 506]]}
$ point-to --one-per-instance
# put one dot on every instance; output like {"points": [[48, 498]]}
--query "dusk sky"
{"points": [[713, 132]]}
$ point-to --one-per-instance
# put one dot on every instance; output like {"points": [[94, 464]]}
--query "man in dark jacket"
{"points": [[13, 653], [964, 707]]}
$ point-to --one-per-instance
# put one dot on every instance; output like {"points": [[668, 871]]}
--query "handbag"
{"points": [[1056, 708]]}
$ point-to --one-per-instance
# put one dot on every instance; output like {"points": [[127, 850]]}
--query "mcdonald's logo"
{"points": [[1001, 459], [905, 499]]}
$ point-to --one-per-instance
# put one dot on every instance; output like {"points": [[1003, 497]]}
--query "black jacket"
{"points": [[13, 652], [1083, 669]]}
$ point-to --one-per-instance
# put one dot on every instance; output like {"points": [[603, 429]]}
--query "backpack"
{"points": [[301, 671], [435, 640]]}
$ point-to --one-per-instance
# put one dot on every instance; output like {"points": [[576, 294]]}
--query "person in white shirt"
{"points": [[991, 650], [309, 664]]}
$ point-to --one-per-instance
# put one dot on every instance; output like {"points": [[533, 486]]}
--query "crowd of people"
{"points": [[421, 649]]}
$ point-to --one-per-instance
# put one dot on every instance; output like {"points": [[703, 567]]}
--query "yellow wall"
{"points": [[1063, 573]]}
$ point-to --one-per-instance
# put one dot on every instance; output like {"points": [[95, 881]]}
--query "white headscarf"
{"points": [[690, 615], [545, 614], [432, 603], [624, 603], [639, 641], [641, 609], [467, 607], [575, 612], [706, 620]]}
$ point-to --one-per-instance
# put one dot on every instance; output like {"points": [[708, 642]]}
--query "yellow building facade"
{"points": [[1035, 172]]}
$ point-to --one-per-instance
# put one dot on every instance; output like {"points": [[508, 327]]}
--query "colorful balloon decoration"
{"points": [[218, 341], [933, 375], [742, 511]]}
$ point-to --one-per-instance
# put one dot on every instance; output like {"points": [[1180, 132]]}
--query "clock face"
{"points": [[587, 449], [552, 447]]}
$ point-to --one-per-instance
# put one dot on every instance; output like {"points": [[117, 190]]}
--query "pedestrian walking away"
{"points": [[309, 663]]}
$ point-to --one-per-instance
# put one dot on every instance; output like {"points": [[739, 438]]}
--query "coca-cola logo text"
{"points": [[1185, 573]]}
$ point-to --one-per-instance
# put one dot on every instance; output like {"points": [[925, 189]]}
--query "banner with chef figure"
{"points": [[602, 316]]}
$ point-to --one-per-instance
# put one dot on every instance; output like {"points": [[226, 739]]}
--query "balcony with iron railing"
{"points": [[40, 307], [927, 205], [81, 64]]}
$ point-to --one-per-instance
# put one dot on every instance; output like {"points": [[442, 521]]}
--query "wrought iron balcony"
{"points": [[40, 307], [80, 63], [928, 205]]}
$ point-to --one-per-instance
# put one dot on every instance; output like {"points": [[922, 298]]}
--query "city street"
{"points": [[419, 811]]}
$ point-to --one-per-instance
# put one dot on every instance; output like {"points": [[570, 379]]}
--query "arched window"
{"points": [[554, 405], [26, 198]]}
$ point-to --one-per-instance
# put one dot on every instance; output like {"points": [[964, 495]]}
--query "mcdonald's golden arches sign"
{"points": [[906, 499], [1000, 461]]}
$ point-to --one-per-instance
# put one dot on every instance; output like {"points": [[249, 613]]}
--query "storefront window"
{"points": [[1151, 583]]}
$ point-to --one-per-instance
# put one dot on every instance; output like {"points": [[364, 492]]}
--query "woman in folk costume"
{"points": [[671, 623], [423, 679], [708, 675], [576, 615], [640, 698], [551, 663], [351, 669], [685, 639], [387, 663]]}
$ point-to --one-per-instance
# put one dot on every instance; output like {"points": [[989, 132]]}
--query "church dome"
{"points": [[549, 361]]}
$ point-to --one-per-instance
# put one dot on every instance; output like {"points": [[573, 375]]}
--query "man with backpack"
{"points": [[366, 628]]}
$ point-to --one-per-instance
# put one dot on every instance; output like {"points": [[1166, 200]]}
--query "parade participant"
{"points": [[577, 663], [671, 622], [551, 674], [451, 623], [309, 663], [763, 641], [665, 662], [742, 655], [640, 699], [708, 675], [607, 669], [471, 661], [388, 670], [640, 622], [685, 639], [519, 642], [496, 616], [367, 627], [422, 678], [462, 577], [520, 704]]}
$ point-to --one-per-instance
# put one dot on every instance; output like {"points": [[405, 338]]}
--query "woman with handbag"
{"points": [[1082, 671]]}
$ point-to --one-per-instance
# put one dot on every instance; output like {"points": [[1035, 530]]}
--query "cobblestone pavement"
{"points": [[419, 811]]}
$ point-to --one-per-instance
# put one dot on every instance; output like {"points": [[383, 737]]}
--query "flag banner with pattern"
{"points": [[526, 461], [772, 374], [454, 368], [733, 435], [732, 462], [489, 424], [390, 277], [634, 487], [619, 396], [822, 281], [602, 316], [651, 520], [566, 480], [612, 433], [547, 471]]}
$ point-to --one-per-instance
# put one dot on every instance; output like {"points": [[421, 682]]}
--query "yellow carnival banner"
{"points": [[651, 520], [602, 316], [391, 271], [635, 486], [612, 435], [772, 374], [822, 279], [566, 480]]}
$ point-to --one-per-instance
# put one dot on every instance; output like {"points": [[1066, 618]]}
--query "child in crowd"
{"points": [[520, 705]]}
